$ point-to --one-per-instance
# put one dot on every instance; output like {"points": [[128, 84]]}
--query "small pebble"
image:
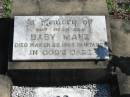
{"points": [[90, 90]]}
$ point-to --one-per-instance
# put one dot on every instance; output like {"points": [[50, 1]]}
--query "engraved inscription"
{"points": [[60, 37]]}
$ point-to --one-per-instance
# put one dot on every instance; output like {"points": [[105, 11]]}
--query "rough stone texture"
{"points": [[59, 7], [49, 7], [56, 65], [5, 86], [120, 34], [94, 7], [124, 82], [25, 7]]}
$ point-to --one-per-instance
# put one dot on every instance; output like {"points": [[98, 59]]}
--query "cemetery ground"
{"points": [[119, 26], [119, 8]]}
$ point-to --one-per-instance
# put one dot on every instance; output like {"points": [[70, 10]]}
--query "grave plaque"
{"points": [[60, 37]]}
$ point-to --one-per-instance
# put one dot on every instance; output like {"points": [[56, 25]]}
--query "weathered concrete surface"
{"points": [[95, 7], [57, 65], [53, 7], [73, 7], [25, 7], [120, 34], [59, 7], [5, 86], [124, 83]]}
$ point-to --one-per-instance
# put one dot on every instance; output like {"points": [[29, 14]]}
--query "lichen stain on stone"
{"points": [[101, 52]]}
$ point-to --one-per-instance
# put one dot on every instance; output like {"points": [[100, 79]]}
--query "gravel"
{"points": [[90, 90]]}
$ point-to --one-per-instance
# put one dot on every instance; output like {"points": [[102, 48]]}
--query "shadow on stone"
{"points": [[122, 62], [5, 30]]}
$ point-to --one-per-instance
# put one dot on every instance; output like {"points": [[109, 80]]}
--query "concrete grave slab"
{"points": [[59, 7], [25, 7]]}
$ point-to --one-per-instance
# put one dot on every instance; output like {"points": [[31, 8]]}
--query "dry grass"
{"points": [[121, 11]]}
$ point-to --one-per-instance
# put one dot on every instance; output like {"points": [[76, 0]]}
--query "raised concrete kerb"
{"points": [[57, 65], [124, 82], [5, 86], [25, 7], [120, 35], [59, 7]]}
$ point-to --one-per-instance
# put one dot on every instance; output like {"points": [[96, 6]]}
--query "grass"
{"points": [[112, 6], [7, 8], [119, 11]]}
